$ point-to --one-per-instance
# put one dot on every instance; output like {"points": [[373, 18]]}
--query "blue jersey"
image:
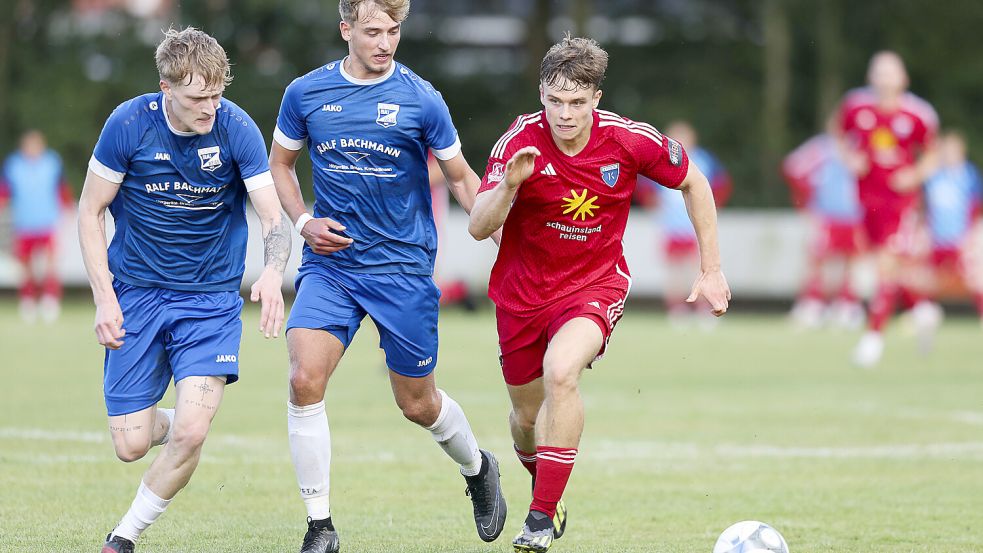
{"points": [[368, 142], [950, 197], [672, 214], [180, 210], [34, 185]]}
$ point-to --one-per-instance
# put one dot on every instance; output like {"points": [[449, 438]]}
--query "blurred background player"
{"points": [[452, 292], [34, 186], [887, 138], [952, 208], [826, 191], [679, 246]]}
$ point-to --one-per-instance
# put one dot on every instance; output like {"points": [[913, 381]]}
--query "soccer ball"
{"points": [[750, 536]]}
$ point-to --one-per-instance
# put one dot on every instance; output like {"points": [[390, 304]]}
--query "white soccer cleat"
{"points": [[926, 317], [50, 309], [847, 314], [808, 313], [28, 309], [869, 350]]}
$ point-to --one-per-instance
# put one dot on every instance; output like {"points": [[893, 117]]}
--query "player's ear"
{"points": [[165, 87], [346, 30], [542, 95], [597, 97]]}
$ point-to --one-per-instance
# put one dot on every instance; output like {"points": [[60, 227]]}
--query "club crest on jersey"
{"points": [[675, 152], [609, 173], [210, 158], [387, 114]]}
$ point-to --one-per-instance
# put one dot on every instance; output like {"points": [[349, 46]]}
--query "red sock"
{"points": [[553, 468], [528, 460], [910, 297], [882, 307]]}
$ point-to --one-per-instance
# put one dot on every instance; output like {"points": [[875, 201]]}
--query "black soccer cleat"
{"points": [[486, 495], [320, 537], [536, 535], [116, 544]]}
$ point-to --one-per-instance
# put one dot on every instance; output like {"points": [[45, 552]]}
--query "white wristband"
{"points": [[301, 221]]}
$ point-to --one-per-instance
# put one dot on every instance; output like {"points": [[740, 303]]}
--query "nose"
{"points": [[565, 111], [384, 42]]}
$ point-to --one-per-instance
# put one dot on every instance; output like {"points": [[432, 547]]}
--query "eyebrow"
{"points": [[396, 26]]}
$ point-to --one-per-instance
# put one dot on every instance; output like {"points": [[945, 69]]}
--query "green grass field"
{"points": [[686, 434]]}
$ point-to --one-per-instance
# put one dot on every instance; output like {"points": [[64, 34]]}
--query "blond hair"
{"points": [[579, 61], [396, 9], [189, 52]]}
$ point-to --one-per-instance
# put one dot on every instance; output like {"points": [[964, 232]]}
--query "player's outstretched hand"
{"points": [[520, 167], [713, 286], [268, 291], [109, 324], [905, 179], [320, 236]]}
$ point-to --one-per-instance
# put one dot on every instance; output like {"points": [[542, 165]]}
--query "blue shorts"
{"points": [[404, 308], [170, 333]]}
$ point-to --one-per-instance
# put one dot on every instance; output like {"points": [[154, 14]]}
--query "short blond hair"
{"points": [[396, 9], [189, 52], [580, 61]]}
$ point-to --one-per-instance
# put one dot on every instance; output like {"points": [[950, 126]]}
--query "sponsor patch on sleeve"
{"points": [[675, 152], [497, 172]]}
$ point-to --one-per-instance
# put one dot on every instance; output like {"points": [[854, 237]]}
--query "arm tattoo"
{"points": [[277, 245]]}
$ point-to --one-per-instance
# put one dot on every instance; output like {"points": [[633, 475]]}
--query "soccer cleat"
{"points": [[559, 520], [486, 495], [320, 537], [536, 535], [869, 350], [116, 544]]}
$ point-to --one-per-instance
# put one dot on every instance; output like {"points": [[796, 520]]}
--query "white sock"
{"points": [[310, 449], [145, 509], [169, 414], [454, 436]]}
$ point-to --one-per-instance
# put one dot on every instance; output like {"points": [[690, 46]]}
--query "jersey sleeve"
{"points": [[495, 168], [250, 153], [291, 126], [438, 130], [660, 158], [119, 138]]}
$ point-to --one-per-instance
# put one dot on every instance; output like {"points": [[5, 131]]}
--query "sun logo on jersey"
{"points": [[580, 205], [882, 139]]}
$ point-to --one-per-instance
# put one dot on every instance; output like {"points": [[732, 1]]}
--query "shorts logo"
{"points": [[162, 156], [425, 362], [675, 152], [387, 114], [580, 205], [225, 358], [594, 304], [609, 173], [497, 172], [210, 158]]}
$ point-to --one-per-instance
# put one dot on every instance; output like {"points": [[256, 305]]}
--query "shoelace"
{"points": [[478, 494], [314, 537]]}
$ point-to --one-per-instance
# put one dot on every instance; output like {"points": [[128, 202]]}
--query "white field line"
{"points": [[249, 449]]}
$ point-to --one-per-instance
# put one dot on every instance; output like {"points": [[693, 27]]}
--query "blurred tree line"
{"points": [[756, 77]]}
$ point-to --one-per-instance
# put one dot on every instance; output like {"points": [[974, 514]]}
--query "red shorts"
{"points": [[896, 228], [680, 247], [523, 338], [947, 258], [835, 238], [25, 245]]}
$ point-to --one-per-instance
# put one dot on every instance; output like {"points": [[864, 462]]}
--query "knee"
{"points": [[188, 438], [306, 385], [128, 451], [423, 410], [560, 377]]}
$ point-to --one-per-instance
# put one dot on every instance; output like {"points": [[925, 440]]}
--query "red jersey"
{"points": [[890, 141], [564, 230]]}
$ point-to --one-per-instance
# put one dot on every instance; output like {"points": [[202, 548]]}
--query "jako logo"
{"points": [[331, 107], [425, 362], [162, 156], [225, 358]]}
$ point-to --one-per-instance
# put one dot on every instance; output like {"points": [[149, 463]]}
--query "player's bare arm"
{"points": [[97, 194], [461, 179], [912, 177], [491, 207], [711, 284], [317, 232], [276, 246]]}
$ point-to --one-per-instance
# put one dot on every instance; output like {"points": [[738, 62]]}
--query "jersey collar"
{"points": [[377, 80], [163, 110]]}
